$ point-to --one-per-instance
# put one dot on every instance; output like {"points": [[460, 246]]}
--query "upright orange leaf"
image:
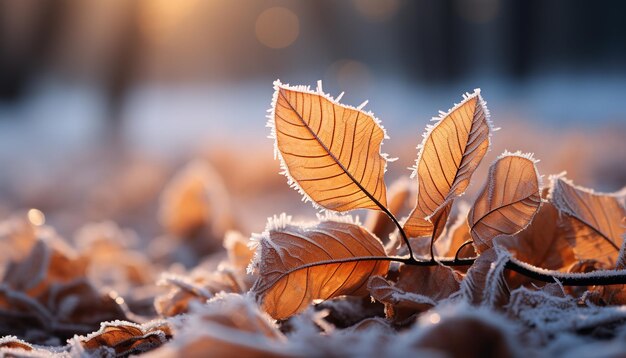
{"points": [[507, 202], [297, 264], [595, 220], [328, 151], [451, 151]]}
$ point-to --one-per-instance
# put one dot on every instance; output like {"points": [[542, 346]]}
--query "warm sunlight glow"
{"points": [[36, 217], [277, 27]]}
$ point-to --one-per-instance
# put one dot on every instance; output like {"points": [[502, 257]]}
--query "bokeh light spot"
{"points": [[36, 217], [277, 27]]}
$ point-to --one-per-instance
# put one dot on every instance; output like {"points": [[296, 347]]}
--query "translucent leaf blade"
{"points": [[508, 201], [295, 264], [329, 152], [595, 220], [449, 154]]}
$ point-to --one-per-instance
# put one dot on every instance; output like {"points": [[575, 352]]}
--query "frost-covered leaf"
{"points": [[417, 289], [401, 196], [542, 244], [329, 152], [48, 291], [437, 282], [401, 306], [345, 311], [226, 326], [507, 202], [297, 263], [452, 149], [199, 286], [596, 226], [239, 252], [126, 338], [13, 342], [484, 283]]}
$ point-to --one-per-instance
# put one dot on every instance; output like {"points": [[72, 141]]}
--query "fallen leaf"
{"points": [[227, 325], [542, 244], [596, 229], [239, 253], [13, 342], [484, 283], [126, 338], [195, 202], [297, 264], [401, 306], [508, 200], [451, 151], [330, 152]]}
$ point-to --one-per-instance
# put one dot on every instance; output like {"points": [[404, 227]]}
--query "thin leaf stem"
{"points": [[405, 239], [595, 278], [458, 251]]}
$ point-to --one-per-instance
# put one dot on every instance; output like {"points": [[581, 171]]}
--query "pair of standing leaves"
{"points": [[331, 153]]}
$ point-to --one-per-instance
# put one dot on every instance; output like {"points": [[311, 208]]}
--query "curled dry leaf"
{"points": [[401, 306], [345, 311], [418, 288], [239, 252], [330, 152], [595, 225], [451, 151], [199, 286], [507, 202], [13, 342], [17, 237], [401, 195], [126, 338], [297, 264], [484, 283], [436, 282], [48, 290], [226, 326], [542, 244], [196, 202]]}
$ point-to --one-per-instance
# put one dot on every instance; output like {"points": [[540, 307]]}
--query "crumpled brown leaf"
{"points": [[400, 306], [295, 263], [47, 294], [451, 151], [13, 342], [227, 325], [328, 151], [202, 283], [126, 338]]}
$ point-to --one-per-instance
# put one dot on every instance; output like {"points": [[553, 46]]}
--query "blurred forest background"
{"points": [[101, 102]]}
